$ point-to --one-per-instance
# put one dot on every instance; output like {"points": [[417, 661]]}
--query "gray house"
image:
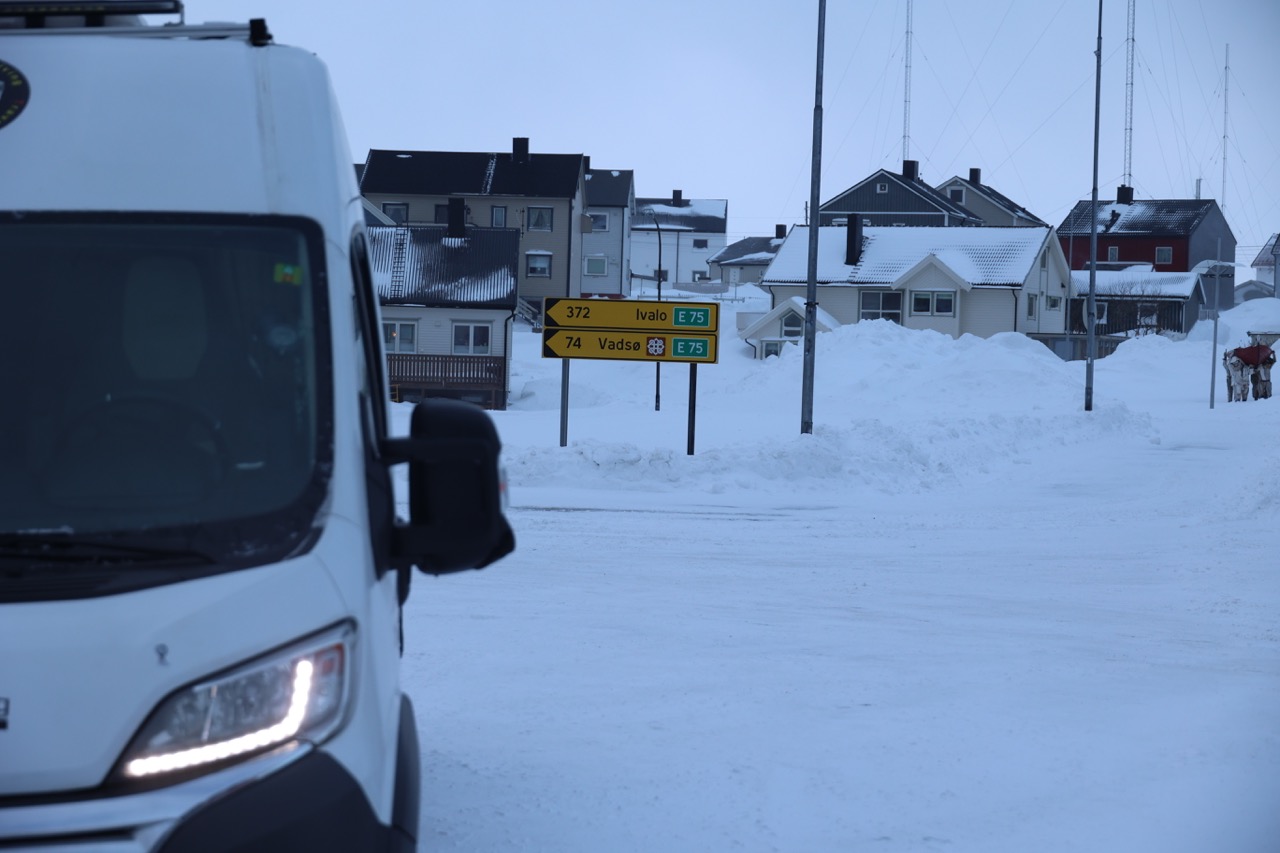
{"points": [[979, 281], [448, 299], [606, 248], [745, 261], [884, 198], [542, 195], [992, 206], [1138, 301]]}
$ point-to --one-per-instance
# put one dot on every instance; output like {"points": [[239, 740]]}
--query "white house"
{"points": [[688, 230], [978, 280], [768, 334]]}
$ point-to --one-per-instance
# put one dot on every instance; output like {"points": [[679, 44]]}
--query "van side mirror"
{"points": [[455, 490]]}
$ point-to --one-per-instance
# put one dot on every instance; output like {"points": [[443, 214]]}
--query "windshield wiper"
{"points": [[33, 550]]}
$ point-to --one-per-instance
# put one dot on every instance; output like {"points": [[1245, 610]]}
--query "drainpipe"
{"points": [[506, 368]]}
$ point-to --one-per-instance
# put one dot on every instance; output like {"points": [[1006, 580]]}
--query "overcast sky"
{"points": [[716, 97]]}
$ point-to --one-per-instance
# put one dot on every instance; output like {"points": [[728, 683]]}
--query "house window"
{"points": [[956, 194], [400, 337], [1031, 306], [882, 188], [442, 214], [1099, 309], [498, 216], [540, 218], [792, 325], [940, 303], [397, 212], [1053, 303], [599, 221], [1148, 317], [537, 265], [1113, 253], [1164, 254], [700, 276], [596, 265], [882, 305], [699, 243], [769, 348], [470, 338]]}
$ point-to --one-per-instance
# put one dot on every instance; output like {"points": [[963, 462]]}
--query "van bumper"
{"points": [[294, 798]]}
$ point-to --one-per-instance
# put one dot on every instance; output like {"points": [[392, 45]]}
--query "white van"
{"points": [[201, 568]]}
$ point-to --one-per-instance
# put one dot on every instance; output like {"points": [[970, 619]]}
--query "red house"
{"points": [[1172, 235]]}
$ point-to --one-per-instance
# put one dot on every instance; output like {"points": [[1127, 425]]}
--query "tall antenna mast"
{"points": [[1128, 101], [906, 105], [1226, 79]]}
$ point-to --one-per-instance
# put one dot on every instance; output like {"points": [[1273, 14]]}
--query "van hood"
{"points": [[78, 678]]}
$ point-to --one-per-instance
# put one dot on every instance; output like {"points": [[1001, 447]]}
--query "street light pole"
{"points": [[811, 290], [657, 378], [1091, 310]]}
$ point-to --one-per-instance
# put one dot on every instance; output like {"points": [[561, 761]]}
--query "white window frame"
{"points": [[932, 296], [601, 260], [393, 336], [1032, 304], [597, 217], [542, 259], [882, 188], [496, 213], [1167, 252], [551, 218], [471, 347], [771, 348], [879, 312], [1053, 303], [955, 194], [700, 242], [792, 325]]}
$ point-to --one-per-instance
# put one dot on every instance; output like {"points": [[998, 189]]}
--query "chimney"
{"points": [[911, 170], [677, 198], [457, 217], [975, 177], [853, 240], [520, 149], [780, 232], [586, 162], [1124, 194]]}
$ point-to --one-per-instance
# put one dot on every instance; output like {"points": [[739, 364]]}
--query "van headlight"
{"points": [[300, 692]]}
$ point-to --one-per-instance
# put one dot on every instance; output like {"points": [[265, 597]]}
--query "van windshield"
{"points": [[164, 374]]}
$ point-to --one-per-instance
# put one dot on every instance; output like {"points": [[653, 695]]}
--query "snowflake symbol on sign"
{"points": [[657, 346]]}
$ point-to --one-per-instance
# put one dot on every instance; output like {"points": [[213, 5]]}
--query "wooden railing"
{"points": [[411, 373]]}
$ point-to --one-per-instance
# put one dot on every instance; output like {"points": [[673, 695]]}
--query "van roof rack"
{"points": [[117, 17]]}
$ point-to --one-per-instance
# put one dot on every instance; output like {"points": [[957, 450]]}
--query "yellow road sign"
{"points": [[692, 347], [634, 314]]}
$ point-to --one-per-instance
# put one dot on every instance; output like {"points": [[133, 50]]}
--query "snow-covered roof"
{"points": [[1136, 282], [478, 270], [708, 215], [982, 256], [749, 251], [1266, 258], [823, 320], [1144, 216]]}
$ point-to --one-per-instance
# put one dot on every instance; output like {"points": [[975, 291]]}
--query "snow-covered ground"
{"points": [[964, 614]]}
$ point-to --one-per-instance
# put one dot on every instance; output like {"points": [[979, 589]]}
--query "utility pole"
{"points": [[1091, 314], [811, 291]]}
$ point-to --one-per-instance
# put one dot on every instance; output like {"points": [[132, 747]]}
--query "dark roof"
{"points": [[706, 215], [749, 251], [998, 198], [1266, 258], [916, 187], [476, 271], [1144, 217], [609, 187], [467, 173]]}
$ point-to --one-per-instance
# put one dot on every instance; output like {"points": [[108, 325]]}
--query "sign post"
{"points": [[630, 330]]}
